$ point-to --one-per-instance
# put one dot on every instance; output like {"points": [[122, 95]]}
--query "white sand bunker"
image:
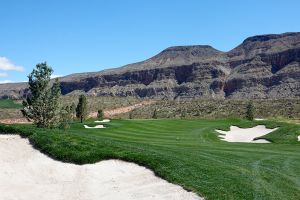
{"points": [[299, 138], [237, 134], [97, 126], [259, 119], [103, 121], [27, 174]]}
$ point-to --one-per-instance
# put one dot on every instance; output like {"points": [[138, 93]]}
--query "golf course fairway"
{"points": [[187, 152]]}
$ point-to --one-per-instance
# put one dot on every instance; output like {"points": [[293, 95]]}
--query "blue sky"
{"points": [[80, 36]]}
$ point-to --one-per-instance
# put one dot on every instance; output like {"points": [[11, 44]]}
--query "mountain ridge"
{"points": [[263, 66]]}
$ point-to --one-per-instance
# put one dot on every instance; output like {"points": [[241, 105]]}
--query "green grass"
{"points": [[9, 104], [185, 152]]}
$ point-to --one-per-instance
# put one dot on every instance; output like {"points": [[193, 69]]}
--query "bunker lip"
{"points": [[246, 135], [23, 168]]}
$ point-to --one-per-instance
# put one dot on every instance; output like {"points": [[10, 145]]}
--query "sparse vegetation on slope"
{"points": [[219, 108]]}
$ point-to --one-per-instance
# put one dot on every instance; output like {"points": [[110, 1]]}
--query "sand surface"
{"points": [[97, 126], [299, 138], [259, 119], [103, 121], [237, 134], [27, 174]]}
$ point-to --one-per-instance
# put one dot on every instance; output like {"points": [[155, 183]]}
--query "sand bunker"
{"points": [[98, 126], [103, 121], [27, 174], [259, 119], [237, 134], [299, 138]]}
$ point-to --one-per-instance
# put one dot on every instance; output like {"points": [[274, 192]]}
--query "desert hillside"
{"points": [[265, 66]]}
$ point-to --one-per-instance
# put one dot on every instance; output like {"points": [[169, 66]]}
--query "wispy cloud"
{"points": [[6, 81], [56, 76], [11, 81], [3, 74], [7, 65]]}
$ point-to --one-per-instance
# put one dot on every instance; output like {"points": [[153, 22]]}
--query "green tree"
{"points": [[81, 109], [250, 111], [182, 113], [73, 110], [130, 115], [154, 115], [42, 105], [65, 118], [100, 114]]}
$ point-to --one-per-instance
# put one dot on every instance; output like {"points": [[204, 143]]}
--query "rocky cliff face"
{"points": [[266, 66]]}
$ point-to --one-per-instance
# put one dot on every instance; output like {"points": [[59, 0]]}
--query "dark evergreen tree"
{"points": [[154, 116], [100, 114], [250, 111], [81, 109]]}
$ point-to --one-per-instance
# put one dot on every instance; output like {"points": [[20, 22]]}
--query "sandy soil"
{"points": [[237, 134], [116, 111], [27, 174], [15, 121]]}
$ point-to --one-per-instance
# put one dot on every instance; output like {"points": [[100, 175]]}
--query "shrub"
{"points": [[250, 111], [81, 109], [100, 114], [154, 116]]}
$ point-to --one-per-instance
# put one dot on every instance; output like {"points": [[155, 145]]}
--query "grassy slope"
{"points": [[186, 152], [9, 104]]}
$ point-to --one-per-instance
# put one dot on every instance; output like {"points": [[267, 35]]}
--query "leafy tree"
{"points": [[250, 111], [154, 116], [65, 118], [81, 109], [73, 110], [42, 105], [131, 115], [100, 114], [182, 113]]}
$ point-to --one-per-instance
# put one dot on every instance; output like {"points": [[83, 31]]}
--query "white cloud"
{"points": [[10, 81], [7, 65], [55, 76], [3, 74], [6, 81]]}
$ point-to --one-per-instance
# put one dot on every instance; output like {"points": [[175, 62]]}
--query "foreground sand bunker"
{"points": [[237, 134], [27, 174]]}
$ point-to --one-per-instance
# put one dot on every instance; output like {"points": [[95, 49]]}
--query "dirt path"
{"points": [[15, 121], [107, 113]]}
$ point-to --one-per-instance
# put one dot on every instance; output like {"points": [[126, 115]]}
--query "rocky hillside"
{"points": [[266, 66]]}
